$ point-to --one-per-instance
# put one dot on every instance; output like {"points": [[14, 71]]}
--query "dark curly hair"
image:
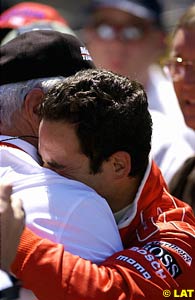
{"points": [[110, 113]]}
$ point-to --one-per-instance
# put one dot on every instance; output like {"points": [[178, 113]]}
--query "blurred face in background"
{"points": [[183, 72], [123, 43]]}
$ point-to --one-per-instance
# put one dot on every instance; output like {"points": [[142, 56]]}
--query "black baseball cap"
{"points": [[145, 9], [40, 54]]}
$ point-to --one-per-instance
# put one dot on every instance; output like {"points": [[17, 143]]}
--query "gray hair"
{"points": [[12, 95]]}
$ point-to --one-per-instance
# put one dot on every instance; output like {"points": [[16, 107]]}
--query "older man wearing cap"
{"points": [[60, 209]]}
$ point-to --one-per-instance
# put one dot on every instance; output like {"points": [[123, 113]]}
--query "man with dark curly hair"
{"points": [[96, 128]]}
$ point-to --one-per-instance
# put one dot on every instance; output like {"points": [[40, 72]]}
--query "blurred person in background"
{"points": [[180, 67], [26, 16], [128, 37]]}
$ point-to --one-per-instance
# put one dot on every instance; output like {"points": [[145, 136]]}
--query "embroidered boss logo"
{"points": [[168, 261], [182, 253], [156, 257]]}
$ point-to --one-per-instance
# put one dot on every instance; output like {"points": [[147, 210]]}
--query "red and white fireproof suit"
{"points": [[159, 255]]}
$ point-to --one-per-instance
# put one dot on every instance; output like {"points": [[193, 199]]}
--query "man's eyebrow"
{"points": [[54, 164]]}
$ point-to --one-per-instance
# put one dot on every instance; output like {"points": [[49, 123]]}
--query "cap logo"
{"points": [[85, 53]]}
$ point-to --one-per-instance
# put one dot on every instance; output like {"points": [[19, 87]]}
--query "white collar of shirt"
{"points": [[128, 213], [27, 147]]}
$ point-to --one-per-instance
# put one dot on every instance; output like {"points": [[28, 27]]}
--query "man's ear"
{"points": [[32, 101], [121, 163]]}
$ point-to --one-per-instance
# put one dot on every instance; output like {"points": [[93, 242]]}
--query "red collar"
{"points": [[10, 145]]}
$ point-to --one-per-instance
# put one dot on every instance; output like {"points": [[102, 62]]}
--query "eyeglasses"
{"points": [[176, 68], [125, 33]]}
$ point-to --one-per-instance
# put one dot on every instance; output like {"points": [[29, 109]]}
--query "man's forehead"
{"points": [[120, 17]]}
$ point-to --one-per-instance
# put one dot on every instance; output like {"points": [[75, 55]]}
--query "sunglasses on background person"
{"points": [[126, 33], [176, 68]]}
